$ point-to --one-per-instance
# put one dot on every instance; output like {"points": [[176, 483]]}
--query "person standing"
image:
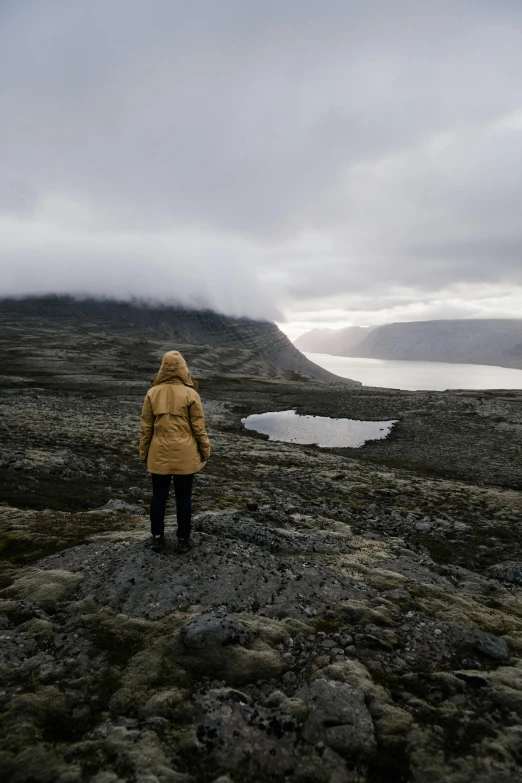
{"points": [[174, 444]]}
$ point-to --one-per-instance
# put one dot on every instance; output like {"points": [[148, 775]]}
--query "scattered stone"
{"points": [[209, 630], [274, 699], [337, 716], [289, 679], [493, 647], [123, 507], [511, 571], [473, 640], [241, 736], [328, 643], [397, 595], [322, 660]]}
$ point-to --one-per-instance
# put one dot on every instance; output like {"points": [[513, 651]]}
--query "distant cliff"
{"points": [[249, 343], [478, 341], [340, 342]]}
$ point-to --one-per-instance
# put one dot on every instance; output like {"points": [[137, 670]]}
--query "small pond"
{"points": [[291, 427]]}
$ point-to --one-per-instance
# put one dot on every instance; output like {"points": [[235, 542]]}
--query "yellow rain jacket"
{"points": [[173, 435]]}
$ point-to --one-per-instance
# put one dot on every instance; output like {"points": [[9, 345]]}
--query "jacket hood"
{"points": [[174, 367]]}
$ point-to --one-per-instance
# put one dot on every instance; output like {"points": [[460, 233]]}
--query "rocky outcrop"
{"points": [[327, 653], [337, 717], [507, 572], [471, 341], [208, 630]]}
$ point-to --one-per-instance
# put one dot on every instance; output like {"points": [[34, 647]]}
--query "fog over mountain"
{"points": [[240, 346], [338, 342], [335, 162], [497, 342]]}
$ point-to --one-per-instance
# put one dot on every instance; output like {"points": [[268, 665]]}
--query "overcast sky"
{"points": [[321, 162]]}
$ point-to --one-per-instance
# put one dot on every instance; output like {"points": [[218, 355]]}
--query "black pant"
{"points": [[160, 493]]}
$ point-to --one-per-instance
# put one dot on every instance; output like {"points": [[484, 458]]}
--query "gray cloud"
{"points": [[343, 152]]}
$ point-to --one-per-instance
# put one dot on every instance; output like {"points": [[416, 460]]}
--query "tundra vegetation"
{"points": [[347, 615]]}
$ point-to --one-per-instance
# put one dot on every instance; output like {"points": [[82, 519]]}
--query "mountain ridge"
{"points": [[259, 345], [468, 341]]}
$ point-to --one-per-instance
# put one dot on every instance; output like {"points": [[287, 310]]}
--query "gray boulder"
{"points": [[243, 737], [124, 508], [210, 630], [474, 641], [491, 646], [337, 716], [510, 571]]}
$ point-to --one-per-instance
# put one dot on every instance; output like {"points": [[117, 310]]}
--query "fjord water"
{"points": [[291, 427], [417, 376]]}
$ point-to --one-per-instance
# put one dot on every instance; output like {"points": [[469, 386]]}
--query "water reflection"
{"points": [[434, 376], [291, 427]]}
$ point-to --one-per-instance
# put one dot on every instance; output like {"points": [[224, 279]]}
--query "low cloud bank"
{"points": [[343, 152], [166, 268]]}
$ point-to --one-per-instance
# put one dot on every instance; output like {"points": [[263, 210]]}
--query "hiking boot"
{"points": [[184, 545], [158, 543]]}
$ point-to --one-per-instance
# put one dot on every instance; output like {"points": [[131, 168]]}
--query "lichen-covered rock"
{"points": [[45, 588], [106, 777], [40, 764], [39, 628], [124, 508], [337, 716], [510, 571], [294, 706], [475, 641], [132, 579], [311, 769], [173, 704], [27, 715], [243, 738], [234, 664], [209, 630], [351, 672], [142, 676]]}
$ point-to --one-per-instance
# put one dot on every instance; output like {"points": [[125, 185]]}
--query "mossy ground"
{"points": [[403, 530]]}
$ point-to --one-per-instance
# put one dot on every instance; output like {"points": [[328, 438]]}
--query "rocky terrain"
{"points": [[471, 341], [345, 616], [245, 346]]}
